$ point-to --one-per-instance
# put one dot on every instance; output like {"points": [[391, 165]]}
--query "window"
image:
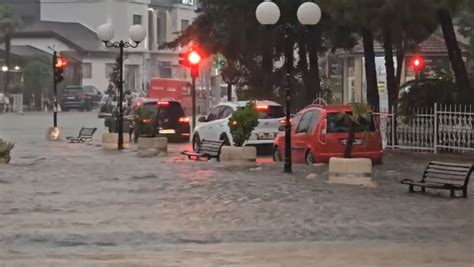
{"points": [[270, 112], [225, 112], [303, 126], [214, 114], [137, 20], [109, 68], [340, 124], [86, 70], [159, 37], [187, 2], [184, 24], [165, 70], [314, 121]]}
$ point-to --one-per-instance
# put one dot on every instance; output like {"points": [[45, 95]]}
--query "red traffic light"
{"points": [[417, 63], [194, 58], [61, 62]]}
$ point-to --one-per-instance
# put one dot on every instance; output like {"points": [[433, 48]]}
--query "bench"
{"points": [[208, 149], [85, 135], [443, 175]]}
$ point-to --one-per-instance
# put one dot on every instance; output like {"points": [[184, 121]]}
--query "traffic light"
{"points": [[417, 63], [191, 59], [59, 65]]}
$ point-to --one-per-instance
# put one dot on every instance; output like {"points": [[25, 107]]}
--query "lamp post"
{"points": [[268, 13], [106, 33], [4, 70]]}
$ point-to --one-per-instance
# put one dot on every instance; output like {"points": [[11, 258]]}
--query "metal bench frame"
{"points": [[208, 149], [442, 175], [85, 135]]}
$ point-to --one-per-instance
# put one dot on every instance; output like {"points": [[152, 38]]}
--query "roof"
{"points": [[76, 33], [24, 51], [433, 45]]}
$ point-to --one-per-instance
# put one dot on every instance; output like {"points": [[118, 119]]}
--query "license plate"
{"points": [[265, 136], [167, 131], [70, 97], [356, 142]]}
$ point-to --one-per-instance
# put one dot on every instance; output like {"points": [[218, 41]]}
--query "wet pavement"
{"points": [[75, 205]]}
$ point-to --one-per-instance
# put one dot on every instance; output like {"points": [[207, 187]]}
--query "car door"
{"points": [[206, 131], [299, 144], [222, 127]]}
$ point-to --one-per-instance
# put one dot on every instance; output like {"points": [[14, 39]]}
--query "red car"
{"points": [[320, 132]]}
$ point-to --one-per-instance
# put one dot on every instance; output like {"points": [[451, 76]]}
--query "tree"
{"points": [[466, 24], [38, 76], [8, 25], [445, 11]]}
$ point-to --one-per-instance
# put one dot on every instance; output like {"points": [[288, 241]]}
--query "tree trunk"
{"points": [[370, 69], [313, 49], [390, 67], [400, 63], [7, 62], [267, 64], [455, 55], [350, 140]]}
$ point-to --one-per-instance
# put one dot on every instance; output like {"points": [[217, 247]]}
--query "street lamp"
{"points": [[4, 68], [137, 34], [268, 13]]}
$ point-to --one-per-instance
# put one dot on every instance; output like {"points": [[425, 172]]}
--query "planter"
{"points": [[350, 171], [238, 156], [152, 147], [110, 141], [55, 134]]}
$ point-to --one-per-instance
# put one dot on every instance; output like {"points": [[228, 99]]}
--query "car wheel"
{"points": [[276, 154], [309, 159], [196, 142]]}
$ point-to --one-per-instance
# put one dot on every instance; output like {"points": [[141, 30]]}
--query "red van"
{"points": [[319, 133]]}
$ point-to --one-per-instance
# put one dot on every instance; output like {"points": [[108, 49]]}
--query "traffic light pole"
{"points": [[55, 92], [194, 74], [120, 107]]}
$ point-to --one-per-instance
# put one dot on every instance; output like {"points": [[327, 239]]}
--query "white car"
{"points": [[215, 125]]}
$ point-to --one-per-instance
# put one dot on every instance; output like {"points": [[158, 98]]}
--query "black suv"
{"points": [[170, 120], [81, 97]]}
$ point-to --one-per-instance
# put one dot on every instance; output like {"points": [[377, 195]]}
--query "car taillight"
{"points": [[147, 121], [282, 121], [184, 120], [234, 123], [262, 107], [163, 103], [322, 133]]}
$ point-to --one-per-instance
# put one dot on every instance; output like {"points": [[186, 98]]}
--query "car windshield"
{"points": [[270, 112], [337, 123]]}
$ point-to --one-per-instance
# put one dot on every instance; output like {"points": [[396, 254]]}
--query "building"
{"points": [[349, 68], [70, 25]]}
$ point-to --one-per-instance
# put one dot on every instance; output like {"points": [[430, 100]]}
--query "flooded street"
{"points": [[67, 204]]}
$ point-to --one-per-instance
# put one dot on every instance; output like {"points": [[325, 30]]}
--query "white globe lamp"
{"points": [[309, 13], [137, 33], [268, 13], [105, 32]]}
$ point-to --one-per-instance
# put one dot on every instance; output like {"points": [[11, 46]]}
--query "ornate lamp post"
{"points": [[106, 33], [268, 13]]}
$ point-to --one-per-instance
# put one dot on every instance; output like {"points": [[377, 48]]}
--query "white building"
{"points": [[162, 19]]}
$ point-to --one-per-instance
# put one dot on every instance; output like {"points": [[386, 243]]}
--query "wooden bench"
{"points": [[208, 149], [442, 175], [85, 135]]}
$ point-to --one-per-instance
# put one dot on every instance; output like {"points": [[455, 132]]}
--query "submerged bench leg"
{"points": [[453, 193], [411, 189], [423, 189], [464, 192]]}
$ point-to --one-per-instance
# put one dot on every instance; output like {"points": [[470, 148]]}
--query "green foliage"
{"points": [[15, 88], [5, 149], [242, 123], [424, 93], [144, 122], [37, 73], [8, 22]]}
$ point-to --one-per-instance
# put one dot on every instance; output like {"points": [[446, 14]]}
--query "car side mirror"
{"points": [[202, 119]]}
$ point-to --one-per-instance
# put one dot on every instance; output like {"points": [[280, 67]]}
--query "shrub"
{"points": [[242, 123], [5, 149]]}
